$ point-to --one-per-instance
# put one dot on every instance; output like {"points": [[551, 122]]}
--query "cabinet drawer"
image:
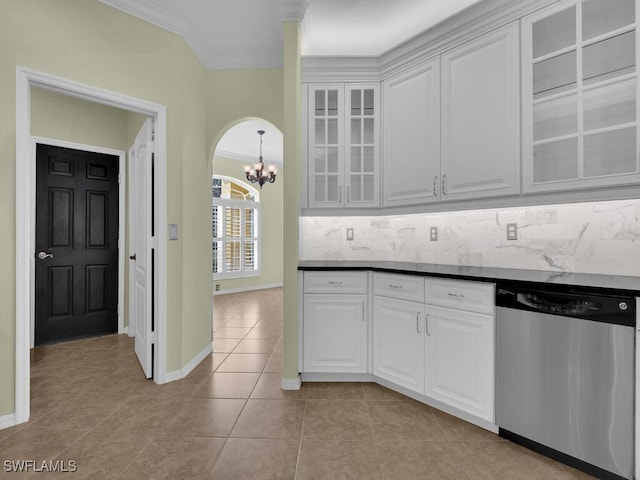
{"points": [[402, 287], [335, 282], [462, 295]]}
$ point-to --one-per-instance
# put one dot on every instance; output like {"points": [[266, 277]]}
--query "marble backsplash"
{"points": [[602, 237]]}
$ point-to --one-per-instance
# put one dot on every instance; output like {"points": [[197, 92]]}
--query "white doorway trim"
{"points": [[121, 154], [25, 216]]}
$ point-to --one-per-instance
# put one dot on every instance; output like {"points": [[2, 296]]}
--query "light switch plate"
{"points": [[512, 231], [349, 234], [433, 234], [173, 231]]}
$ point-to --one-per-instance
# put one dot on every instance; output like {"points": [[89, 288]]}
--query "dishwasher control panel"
{"points": [[600, 307]]}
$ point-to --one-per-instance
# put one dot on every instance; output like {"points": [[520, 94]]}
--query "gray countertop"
{"points": [[617, 282]]}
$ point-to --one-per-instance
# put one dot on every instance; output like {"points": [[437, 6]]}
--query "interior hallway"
{"points": [[229, 419]]}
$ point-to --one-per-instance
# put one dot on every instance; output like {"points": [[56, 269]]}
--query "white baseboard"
{"points": [[7, 421], [291, 383], [195, 361], [248, 289]]}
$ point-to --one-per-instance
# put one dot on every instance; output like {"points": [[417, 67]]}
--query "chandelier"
{"points": [[257, 173]]}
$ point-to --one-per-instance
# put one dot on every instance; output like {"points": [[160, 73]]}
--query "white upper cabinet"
{"points": [[481, 117], [412, 136], [326, 155], [343, 145], [580, 124]]}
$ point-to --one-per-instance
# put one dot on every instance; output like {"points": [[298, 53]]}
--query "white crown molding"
{"points": [[331, 69], [235, 156], [292, 10], [249, 160], [247, 60], [152, 14], [467, 24], [146, 11], [471, 22]]}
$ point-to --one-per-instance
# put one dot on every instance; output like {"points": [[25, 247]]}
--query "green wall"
{"points": [[67, 118], [88, 42], [237, 95], [271, 230]]}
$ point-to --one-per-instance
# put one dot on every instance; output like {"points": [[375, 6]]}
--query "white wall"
{"points": [[601, 237]]}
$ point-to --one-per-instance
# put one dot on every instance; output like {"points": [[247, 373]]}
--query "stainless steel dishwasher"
{"points": [[565, 374]]}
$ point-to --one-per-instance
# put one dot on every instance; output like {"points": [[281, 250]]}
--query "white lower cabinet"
{"points": [[439, 342], [398, 342], [430, 337], [335, 327], [460, 360], [335, 333]]}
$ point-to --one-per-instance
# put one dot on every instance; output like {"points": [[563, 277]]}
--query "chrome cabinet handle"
{"points": [[435, 186], [332, 282], [348, 194], [456, 295], [340, 194], [418, 322], [426, 324], [363, 312], [391, 285], [43, 255], [443, 185]]}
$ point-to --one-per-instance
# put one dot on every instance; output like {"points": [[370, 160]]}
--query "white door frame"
{"points": [[25, 189], [121, 154]]}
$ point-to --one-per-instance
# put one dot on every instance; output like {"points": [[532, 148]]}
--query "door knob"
{"points": [[43, 255], [132, 257]]}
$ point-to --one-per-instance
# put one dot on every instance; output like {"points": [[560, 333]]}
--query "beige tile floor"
{"points": [[229, 419]]}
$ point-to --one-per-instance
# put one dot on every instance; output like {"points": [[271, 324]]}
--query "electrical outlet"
{"points": [[217, 287], [512, 231], [349, 234], [433, 234]]}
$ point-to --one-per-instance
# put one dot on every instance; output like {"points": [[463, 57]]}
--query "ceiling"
{"points": [[242, 142], [248, 33]]}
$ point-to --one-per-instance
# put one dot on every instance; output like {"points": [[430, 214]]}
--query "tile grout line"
{"points": [[304, 416]]}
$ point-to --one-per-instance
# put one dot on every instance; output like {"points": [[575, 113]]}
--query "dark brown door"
{"points": [[76, 244]]}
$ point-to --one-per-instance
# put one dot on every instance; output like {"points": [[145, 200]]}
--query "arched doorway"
{"points": [[237, 148]]}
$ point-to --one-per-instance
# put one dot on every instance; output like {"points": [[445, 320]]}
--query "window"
{"points": [[235, 222]]}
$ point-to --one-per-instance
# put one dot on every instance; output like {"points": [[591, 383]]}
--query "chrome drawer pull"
{"points": [[426, 324], [455, 295], [418, 322], [395, 286], [331, 282]]}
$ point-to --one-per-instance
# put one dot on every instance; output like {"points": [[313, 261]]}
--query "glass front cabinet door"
{"points": [[343, 142], [580, 126]]}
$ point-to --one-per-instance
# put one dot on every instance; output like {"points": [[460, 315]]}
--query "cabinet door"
{"points": [[326, 130], [412, 136], [460, 360], [580, 124], [398, 342], [362, 146], [481, 117], [335, 333]]}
